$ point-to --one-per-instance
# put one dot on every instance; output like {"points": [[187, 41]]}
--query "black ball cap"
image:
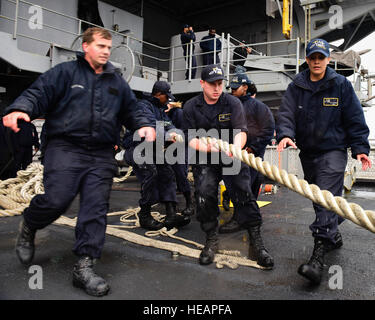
{"points": [[164, 88], [212, 73]]}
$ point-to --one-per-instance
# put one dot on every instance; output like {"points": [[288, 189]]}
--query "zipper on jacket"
{"points": [[92, 105]]}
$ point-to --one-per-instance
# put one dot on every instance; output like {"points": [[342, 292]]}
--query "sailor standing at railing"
{"points": [[188, 36], [322, 116], [209, 45], [240, 53], [83, 101]]}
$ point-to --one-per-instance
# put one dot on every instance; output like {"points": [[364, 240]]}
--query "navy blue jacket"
{"points": [[81, 106], [154, 111], [177, 117], [185, 40], [227, 113], [208, 45], [330, 118], [260, 123]]}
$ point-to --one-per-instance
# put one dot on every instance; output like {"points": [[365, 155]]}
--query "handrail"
{"points": [[246, 45], [80, 21], [5, 17], [156, 52]]}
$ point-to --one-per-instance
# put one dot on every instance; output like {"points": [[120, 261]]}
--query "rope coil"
{"points": [[16, 193]]}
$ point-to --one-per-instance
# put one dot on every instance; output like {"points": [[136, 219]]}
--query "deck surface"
{"points": [[135, 272]]}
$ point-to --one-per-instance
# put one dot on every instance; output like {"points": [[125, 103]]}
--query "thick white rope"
{"points": [[221, 260], [350, 211], [122, 179], [16, 193]]}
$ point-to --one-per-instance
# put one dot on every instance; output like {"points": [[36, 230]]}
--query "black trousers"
{"points": [[181, 172], [158, 182], [256, 177], [69, 170], [23, 157], [208, 59], [327, 172], [206, 180]]}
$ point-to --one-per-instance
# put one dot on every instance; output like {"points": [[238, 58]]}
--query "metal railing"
{"points": [[191, 52], [231, 63], [160, 58]]}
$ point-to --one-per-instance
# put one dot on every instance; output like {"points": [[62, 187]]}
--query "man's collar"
{"points": [[202, 102]]}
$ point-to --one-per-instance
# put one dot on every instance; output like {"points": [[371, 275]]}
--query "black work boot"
{"points": [[147, 221], [173, 219], [210, 248], [25, 247], [84, 277], [189, 210], [329, 246], [313, 269], [257, 250], [231, 226]]}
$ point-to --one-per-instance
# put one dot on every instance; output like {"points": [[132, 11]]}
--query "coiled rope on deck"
{"points": [[134, 223], [232, 260], [16, 193]]}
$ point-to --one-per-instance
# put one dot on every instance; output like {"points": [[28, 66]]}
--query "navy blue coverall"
{"points": [[158, 183], [325, 118], [228, 114], [83, 111]]}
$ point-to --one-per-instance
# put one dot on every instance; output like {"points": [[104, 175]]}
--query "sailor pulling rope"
{"points": [[15, 194], [15, 199]]}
